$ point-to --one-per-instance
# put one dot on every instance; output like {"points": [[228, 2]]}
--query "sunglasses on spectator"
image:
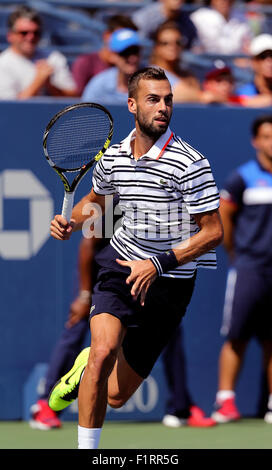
{"points": [[36, 33], [170, 43], [264, 55], [133, 50]]}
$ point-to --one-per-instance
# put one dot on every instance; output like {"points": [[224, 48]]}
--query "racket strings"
{"points": [[76, 139]]}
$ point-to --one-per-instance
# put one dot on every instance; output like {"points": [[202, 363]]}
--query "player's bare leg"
{"points": [[122, 383], [107, 333]]}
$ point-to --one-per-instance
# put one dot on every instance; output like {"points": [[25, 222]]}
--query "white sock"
{"points": [[224, 395], [88, 438], [269, 404]]}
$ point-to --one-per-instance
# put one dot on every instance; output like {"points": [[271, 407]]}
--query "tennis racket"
{"points": [[73, 141]]}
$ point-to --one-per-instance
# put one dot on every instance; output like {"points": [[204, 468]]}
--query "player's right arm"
{"points": [[61, 229]]}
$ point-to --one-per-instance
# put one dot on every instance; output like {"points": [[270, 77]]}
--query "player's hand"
{"points": [[143, 273], [60, 228], [78, 311]]}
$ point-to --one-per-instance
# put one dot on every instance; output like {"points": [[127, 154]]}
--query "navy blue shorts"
{"points": [[150, 327], [248, 304]]}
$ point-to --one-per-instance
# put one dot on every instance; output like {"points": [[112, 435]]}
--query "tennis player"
{"points": [[146, 276]]}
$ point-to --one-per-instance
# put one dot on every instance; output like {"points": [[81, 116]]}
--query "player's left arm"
{"points": [[143, 273], [208, 237]]}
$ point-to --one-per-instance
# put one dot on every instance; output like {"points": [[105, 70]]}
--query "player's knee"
{"points": [[101, 362]]}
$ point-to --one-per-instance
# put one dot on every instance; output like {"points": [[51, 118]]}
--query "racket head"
{"points": [[77, 136]]}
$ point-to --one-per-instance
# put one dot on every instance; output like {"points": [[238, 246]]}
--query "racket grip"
{"points": [[67, 207]]}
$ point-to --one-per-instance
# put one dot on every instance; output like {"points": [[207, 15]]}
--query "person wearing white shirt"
{"points": [[221, 29], [26, 71]]}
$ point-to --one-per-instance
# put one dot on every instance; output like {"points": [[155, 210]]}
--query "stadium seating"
{"points": [[75, 27]]}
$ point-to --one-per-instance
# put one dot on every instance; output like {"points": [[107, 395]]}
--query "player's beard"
{"points": [[150, 129]]}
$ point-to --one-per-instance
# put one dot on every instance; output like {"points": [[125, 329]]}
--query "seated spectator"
{"points": [[111, 86], [150, 17], [259, 20], [166, 53], [219, 86], [259, 91], [221, 29], [26, 71], [86, 66]]}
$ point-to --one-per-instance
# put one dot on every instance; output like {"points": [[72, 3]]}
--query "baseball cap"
{"points": [[124, 38], [218, 71], [261, 43]]}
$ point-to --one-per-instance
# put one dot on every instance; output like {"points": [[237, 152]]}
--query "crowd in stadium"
{"points": [[218, 52]]}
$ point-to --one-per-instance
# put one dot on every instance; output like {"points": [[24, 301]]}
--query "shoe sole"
{"points": [[63, 388], [174, 425], [41, 426], [203, 424], [219, 418]]}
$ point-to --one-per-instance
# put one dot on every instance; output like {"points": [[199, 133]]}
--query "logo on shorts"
{"points": [[92, 309]]}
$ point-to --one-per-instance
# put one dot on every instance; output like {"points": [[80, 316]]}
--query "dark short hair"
{"points": [[120, 21], [259, 122], [24, 11], [146, 73]]}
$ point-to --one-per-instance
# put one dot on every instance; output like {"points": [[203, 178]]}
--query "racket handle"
{"points": [[67, 207]]}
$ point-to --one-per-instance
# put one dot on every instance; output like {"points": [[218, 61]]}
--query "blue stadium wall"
{"points": [[38, 274]]}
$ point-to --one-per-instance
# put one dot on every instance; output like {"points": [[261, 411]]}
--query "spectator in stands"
{"points": [[86, 66], [259, 92], [24, 70], [111, 86], [166, 53], [149, 18], [246, 212], [221, 29], [219, 83], [219, 88], [258, 17]]}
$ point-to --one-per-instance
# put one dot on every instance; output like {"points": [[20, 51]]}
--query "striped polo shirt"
{"points": [[158, 195]]}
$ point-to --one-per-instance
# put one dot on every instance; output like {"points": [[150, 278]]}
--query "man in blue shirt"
{"points": [[111, 86], [246, 211]]}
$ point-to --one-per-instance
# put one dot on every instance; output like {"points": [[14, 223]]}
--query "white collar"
{"points": [[156, 150]]}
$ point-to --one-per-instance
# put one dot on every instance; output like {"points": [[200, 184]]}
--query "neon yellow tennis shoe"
{"points": [[65, 391]]}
